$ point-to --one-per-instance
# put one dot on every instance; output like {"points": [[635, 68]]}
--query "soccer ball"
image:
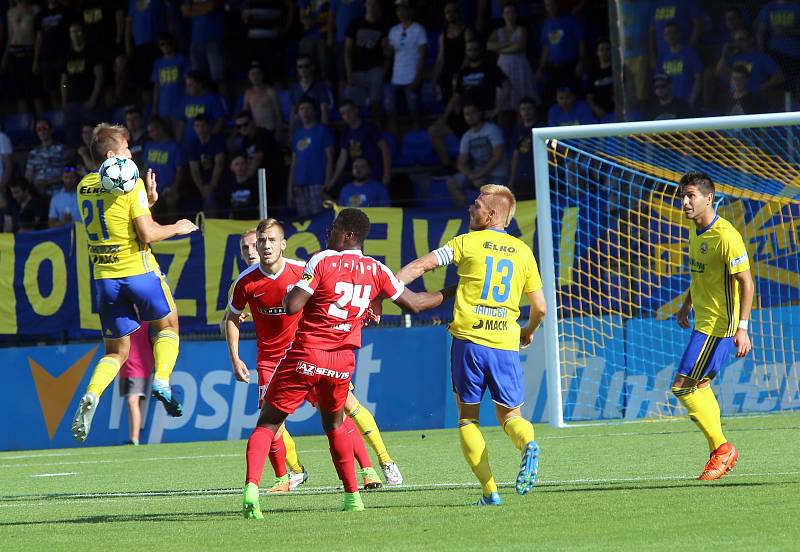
{"points": [[118, 175]]}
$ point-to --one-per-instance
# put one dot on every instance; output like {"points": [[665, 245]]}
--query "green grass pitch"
{"points": [[607, 487]]}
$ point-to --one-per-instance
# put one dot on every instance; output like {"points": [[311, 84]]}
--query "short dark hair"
{"points": [[347, 102], [202, 117], [700, 180], [355, 221], [741, 69], [133, 110], [527, 100], [244, 113], [308, 100]]}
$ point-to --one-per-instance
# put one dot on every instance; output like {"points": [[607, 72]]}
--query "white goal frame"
{"points": [[540, 139]]}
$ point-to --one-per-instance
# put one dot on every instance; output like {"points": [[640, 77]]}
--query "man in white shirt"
{"points": [[408, 41]]}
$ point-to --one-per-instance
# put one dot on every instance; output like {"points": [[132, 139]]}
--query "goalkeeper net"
{"points": [[617, 264]]}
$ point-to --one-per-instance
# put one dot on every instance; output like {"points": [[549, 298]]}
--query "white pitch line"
{"points": [[53, 474]]}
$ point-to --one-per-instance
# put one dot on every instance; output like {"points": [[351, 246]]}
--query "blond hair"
{"points": [[105, 138], [503, 201], [246, 233], [268, 223]]}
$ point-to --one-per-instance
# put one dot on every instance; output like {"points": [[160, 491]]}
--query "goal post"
{"points": [[608, 223]]}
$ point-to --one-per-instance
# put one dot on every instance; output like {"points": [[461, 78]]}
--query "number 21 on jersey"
{"points": [[88, 208], [504, 268]]}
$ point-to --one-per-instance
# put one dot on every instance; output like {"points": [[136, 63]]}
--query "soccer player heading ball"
{"points": [[494, 270], [130, 285], [721, 293], [334, 293]]}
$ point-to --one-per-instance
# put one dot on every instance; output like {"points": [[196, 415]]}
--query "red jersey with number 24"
{"points": [[342, 285], [264, 293]]}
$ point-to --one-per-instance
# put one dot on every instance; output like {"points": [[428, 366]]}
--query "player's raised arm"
{"points": [[150, 231], [416, 302], [746, 291], [418, 267]]}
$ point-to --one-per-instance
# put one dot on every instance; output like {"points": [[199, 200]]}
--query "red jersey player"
{"points": [[334, 294]]}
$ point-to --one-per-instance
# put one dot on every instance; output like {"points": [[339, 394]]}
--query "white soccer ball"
{"points": [[118, 175]]}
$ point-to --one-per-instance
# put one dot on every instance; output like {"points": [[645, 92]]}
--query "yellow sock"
{"points": [[104, 373], [477, 456], [520, 430], [165, 353], [704, 411], [369, 429], [291, 453]]}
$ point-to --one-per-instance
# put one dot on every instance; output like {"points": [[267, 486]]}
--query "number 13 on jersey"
{"points": [[504, 269]]}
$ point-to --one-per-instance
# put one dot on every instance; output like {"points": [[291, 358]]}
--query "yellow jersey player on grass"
{"points": [[129, 284], [721, 293], [494, 270]]}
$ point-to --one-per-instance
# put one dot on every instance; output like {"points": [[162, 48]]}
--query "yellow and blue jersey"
{"points": [[716, 253], [114, 247], [494, 270]]}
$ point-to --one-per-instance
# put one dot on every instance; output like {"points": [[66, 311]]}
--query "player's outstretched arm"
{"points": [[746, 292], [240, 370], [418, 267], [150, 231], [684, 311], [538, 312], [424, 300]]}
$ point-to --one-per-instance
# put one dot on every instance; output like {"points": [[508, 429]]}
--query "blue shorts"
{"points": [[122, 302], [475, 367], [704, 356]]}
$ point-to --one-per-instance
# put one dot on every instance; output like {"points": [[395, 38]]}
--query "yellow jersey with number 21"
{"points": [[114, 247], [494, 270]]}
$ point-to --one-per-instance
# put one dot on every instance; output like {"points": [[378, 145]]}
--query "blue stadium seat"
{"points": [[286, 103], [433, 47], [434, 195], [417, 149], [118, 114], [19, 128], [452, 143], [389, 137], [428, 101], [56, 118]]}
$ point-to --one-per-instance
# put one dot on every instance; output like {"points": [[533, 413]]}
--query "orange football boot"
{"points": [[721, 462]]}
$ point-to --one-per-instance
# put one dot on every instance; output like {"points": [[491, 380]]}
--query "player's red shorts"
{"points": [[321, 377], [265, 369]]}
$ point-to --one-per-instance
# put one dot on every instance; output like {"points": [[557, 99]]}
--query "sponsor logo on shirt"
{"points": [[307, 277], [271, 310], [704, 247], [500, 248], [311, 370], [491, 325], [696, 266], [741, 259], [344, 327], [493, 312]]}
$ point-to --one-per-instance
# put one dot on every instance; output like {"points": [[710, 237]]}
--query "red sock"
{"points": [[341, 446], [277, 456], [257, 447], [359, 448]]}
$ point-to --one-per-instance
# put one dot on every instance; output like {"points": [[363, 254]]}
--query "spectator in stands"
{"points": [[742, 100], [365, 61], [261, 100], [568, 110], [143, 26], [600, 84], [563, 53], [134, 122], [476, 82], [241, 191], [342, 14], [312, 161], [362, 139], [682, 64], [665, 105], [166, 158], [169, 80], [31, 212], [481, 156], [686, 14], [363, 190], [520, 174], [43, 168], [6, 163], [104, 28], [261, 152], [765, 75], [307, 86], [778, 28], [408, 42], [200, 100], [208, 34], [81, 81], [452, 45], [207, 164], [52, 41], [267, 24], [87, 164], [315, 41], [635, 17], [64, 203], [17, 59], [510, 42]]}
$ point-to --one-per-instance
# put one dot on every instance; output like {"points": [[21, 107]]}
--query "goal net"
{"points": [[613, 245]]}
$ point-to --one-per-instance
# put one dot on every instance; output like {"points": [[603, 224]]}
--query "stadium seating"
{"points": [[19, 128]]}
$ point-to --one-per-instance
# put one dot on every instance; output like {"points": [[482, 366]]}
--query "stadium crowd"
{"points": [[366, 102]]}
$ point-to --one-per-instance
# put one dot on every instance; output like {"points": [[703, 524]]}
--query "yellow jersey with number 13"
{"points": [[494, 270], [114, 247]]}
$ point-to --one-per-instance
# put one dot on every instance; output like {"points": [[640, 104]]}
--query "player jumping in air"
{"points": [[721, 294], [494, 270], [127, 277], [334, 294]]}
